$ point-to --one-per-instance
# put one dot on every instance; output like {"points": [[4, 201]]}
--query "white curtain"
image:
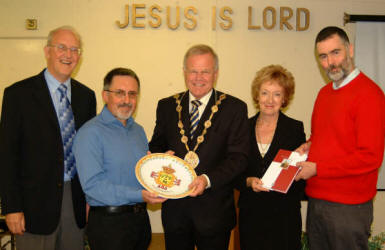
{"points": [[370, 58]]}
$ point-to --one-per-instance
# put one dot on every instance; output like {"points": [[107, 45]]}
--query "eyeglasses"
{"points": [[122, 94], [63, 49], [203, 73]]}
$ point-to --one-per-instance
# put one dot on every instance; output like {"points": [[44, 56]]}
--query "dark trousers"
{"points": [[335, 226], [119, 231], [67, 235]]}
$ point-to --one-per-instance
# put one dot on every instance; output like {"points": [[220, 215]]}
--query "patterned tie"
{"points": [[67, 129], [194, 117]]}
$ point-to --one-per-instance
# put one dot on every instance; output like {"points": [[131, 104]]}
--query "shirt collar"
{"points": [[108, 117], [204, 100], [348, 79], [53, 84]]}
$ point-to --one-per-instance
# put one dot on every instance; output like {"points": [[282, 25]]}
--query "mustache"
{"points": [[331, 67], [123, 105]]}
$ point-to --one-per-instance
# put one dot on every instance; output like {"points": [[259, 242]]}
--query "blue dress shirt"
{"points": [[106, 154], [53, 86]]}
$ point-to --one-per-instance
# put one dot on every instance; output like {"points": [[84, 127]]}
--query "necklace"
{"points": [[192, 157], [263, 148]]}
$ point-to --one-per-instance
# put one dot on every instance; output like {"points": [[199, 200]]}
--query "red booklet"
{"points": [[282, 171]]}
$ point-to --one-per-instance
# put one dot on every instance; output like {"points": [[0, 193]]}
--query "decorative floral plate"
{"points": [[167, 175]]}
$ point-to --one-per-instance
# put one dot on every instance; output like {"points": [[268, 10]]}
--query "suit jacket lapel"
{"points": [[206, 113], [185, 113], [75, 102], [43, 96], [278, 133], [254, 136], [279, 130]]}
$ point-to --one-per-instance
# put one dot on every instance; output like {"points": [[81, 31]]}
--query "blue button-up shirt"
{"points": [[106, 154], [53, 86]]}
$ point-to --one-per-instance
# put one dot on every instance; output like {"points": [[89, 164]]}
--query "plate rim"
{"points": [[165, 155]]}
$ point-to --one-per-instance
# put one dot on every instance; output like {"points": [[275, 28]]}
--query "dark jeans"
{"points": [[120, 231], [335, 226]]}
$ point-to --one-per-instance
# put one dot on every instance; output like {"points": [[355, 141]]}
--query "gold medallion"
{"points": [[192, 158], [207, 124]]}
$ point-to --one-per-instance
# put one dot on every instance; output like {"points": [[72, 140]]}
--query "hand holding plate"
{"points": [[152, 198], [198, 186], [170, 152]]}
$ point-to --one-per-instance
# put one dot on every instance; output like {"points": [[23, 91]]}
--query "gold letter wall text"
{"points": [[140, 16], [155, 15], [285, 18]]}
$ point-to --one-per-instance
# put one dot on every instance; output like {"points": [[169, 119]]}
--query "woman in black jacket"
{"points": [[269, 220]]}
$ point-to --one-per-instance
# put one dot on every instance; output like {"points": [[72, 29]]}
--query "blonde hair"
{"points": [[275, 73], [200, 49]]}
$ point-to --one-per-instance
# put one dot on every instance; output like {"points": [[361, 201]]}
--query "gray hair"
{"points": [[65, 27], [200, 49]]}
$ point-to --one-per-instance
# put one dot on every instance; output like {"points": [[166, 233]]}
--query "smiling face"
{"points": [[271, 98], [61, 63], [335, 58], [121, 106], [200, 74]]}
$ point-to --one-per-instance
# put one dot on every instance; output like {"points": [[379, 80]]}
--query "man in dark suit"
{"points": [[41, 195], [209, 129]]}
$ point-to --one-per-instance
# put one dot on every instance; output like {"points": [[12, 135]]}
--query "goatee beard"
{"points": [[342, 73], [337, 76]]}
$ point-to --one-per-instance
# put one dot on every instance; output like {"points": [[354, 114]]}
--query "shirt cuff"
{"points": [[208, 181], [137, 196]]}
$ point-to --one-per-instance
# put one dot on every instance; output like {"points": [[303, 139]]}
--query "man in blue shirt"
{"points": [[107, 149]]}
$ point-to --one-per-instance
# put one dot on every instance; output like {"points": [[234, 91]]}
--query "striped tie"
{"points": [[194, 117], [67, 129]]}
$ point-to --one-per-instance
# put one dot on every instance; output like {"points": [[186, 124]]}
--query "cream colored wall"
{"points": [[156, 54]]}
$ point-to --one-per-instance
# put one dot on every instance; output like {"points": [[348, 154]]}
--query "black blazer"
{"points": [[289, 135], [275, 213], [223, 156], [31, 152]]}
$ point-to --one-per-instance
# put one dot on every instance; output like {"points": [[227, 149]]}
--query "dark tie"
{"points": [[67, 129], [194, 117]]}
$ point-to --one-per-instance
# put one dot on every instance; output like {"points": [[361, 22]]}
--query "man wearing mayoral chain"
{"points": [[209, 129]]}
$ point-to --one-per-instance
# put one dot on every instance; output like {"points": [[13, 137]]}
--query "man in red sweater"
{"points": [[345, 149]]}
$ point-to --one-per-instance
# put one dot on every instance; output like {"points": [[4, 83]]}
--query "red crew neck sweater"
{"points": [[347, 142]]}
